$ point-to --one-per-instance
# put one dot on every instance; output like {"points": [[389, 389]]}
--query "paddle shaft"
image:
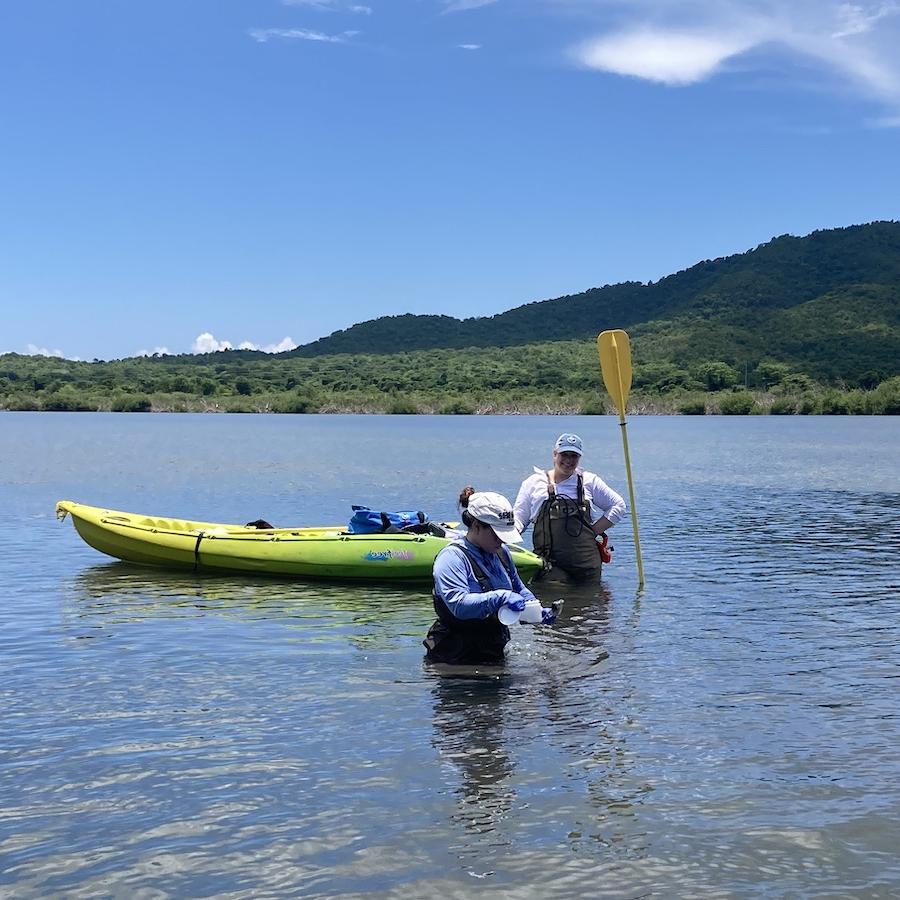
{"points": [[634, 520], [620, 403]]}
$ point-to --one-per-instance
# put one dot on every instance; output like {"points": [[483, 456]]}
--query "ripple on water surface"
{"points": [[730, 731]]}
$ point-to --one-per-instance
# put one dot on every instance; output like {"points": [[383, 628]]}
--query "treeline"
{"points": [[559, 377], [797, 326], [827, 304]]}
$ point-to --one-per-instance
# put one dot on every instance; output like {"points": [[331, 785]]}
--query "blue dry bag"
{"points": [[372, 521]]}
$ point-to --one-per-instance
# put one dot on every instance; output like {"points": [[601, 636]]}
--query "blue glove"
{"points": [[548, 616], [516, 602]]}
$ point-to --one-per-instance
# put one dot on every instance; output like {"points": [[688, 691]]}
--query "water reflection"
{"points": [[733, 734], [472, 749], [110, 595], [105, 597], [584, 624], [544, 756]]}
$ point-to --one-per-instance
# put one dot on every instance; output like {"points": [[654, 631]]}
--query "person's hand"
{"points": [[516, 602], [603, 547], [548, 616]]}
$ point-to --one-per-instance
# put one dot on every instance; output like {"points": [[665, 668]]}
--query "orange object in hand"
{"points": [[604, 548]]}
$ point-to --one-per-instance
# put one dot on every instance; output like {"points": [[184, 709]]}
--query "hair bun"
{"points": [[464, 495]]}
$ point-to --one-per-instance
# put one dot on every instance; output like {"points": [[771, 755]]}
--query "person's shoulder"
{"points": [[450, 553], [452, 547], [450, 562], [538, 476], [592, 479], [459, 549]]}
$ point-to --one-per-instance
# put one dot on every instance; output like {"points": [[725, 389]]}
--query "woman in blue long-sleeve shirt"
{"points": [[473, 579]]}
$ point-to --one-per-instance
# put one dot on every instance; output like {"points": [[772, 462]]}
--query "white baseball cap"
{"points": [[495, 510]]}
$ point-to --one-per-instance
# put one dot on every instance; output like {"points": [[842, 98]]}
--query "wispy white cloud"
{"points": [[452, 6], [284, 344], [469, 46], [681, 42], [331, 6], [856, 19], [34, 350], [206, 343], [262, 35], [669, 57], [885, 122], [156, 351]]}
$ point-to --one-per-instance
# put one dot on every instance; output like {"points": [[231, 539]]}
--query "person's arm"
{"points": [[601, 525], [517, 583], [611, 503], [522, 506], [451, 583]]}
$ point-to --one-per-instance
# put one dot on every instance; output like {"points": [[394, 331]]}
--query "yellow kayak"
{"points": [[324, 552]]}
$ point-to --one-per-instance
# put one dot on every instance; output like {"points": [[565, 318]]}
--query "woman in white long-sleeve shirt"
{"points": [[561, 503]]}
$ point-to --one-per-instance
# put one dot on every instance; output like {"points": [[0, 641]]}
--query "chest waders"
{"points": [[468, 642], [563, 535]]}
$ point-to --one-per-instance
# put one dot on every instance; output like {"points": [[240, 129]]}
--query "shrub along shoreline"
{"points": [[561, 378], [816, 400]]}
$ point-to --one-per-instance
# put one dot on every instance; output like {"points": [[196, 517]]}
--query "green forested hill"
{"points": [[799, 325], [828, 302], [844, 334]]}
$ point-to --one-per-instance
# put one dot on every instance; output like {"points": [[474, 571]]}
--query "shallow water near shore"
{"points": [[729, 731]]}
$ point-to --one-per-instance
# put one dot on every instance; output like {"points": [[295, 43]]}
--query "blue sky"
{"points": [[178, 174]]}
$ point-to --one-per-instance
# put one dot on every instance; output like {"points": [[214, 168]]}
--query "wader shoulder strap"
{"points": [[579, 491], [489, 628], [480, 575], [508, 564], [584, 505]]}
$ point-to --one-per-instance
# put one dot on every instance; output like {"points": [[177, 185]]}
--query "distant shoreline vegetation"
{"points": [[798, 326], [539, 379]]}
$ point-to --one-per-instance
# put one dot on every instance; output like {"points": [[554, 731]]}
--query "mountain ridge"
{"points": [[739, 291]]}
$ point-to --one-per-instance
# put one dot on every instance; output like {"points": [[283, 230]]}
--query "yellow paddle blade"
{"points": [[614, 350]]}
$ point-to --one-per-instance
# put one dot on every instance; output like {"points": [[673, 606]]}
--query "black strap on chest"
{"points": [[490, 626], [478, 571], [585, 510]]}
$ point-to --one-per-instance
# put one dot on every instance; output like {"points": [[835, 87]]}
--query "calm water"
{"points": [[731, 732]]}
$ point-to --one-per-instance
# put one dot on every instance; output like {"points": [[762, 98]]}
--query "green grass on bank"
{"points": [[816, 400], [544, 378]]}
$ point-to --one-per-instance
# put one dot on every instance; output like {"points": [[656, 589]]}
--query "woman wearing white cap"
{"points": [[473, 578], [560, 502]]}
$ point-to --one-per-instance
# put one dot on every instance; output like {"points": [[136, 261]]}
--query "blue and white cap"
{"points": [[568, 443]]}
